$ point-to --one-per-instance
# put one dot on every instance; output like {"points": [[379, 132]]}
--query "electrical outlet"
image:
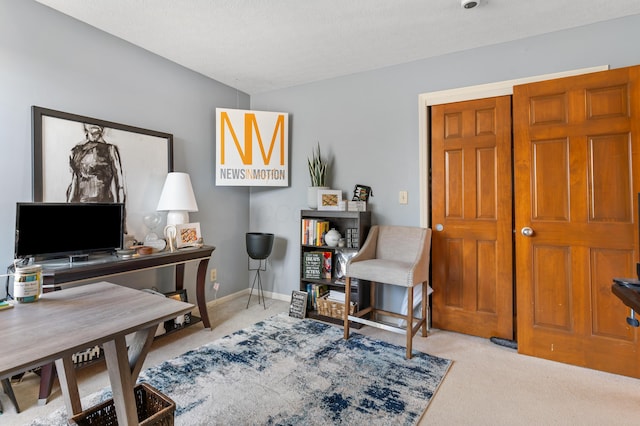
{"points": [[216, 286], [214, 275]]}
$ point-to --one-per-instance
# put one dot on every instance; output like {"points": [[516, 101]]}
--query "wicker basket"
{"points": [[154, 408], [333, 309]]}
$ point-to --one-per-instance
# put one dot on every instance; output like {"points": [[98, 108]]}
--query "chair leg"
{"points": [[409, 320], [347, 304], [425, 307]]}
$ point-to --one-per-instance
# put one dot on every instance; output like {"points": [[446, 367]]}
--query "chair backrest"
{"points": [[401, 243]]}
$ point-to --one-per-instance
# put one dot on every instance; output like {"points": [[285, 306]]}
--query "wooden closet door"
{"points": [[577, 176], [472, 217]]}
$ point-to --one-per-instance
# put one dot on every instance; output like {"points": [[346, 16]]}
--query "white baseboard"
{"points": [[245, 293]]}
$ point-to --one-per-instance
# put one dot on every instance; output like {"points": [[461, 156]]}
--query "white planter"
{"points": [[312, 196]]}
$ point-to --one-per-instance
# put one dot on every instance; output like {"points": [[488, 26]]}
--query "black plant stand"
{"points": [[259, 247]]}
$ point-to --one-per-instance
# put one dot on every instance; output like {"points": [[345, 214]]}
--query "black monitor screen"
{"points": [[45, 230]]}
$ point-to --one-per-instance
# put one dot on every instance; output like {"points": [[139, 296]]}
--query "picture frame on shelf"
{"points": [[188, 235], [69, 150], [362, 193], [329, 199], [181, 320]]}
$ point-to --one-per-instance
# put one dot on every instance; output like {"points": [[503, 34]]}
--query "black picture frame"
{"points": [[181, 296], [145, 156]]}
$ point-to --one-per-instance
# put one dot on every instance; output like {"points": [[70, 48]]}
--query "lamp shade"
{"points": [[177, 194]]}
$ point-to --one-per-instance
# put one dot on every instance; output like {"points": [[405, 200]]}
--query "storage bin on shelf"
{"points": [[154, 408], [332, 308]]}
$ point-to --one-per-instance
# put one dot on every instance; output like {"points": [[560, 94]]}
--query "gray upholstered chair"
{"points": [[392, 255]]}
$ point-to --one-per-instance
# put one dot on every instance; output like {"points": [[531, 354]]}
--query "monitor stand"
{"points": [[78, 258]]}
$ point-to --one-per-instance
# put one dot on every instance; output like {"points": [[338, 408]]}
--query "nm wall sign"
{"points": [[252, 148]]}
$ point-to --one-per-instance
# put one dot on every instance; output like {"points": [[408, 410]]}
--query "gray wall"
{"points": [[51, 60], [368, 122]]}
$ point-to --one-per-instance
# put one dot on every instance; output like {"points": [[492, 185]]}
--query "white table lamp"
{"points": [[177, 198]]}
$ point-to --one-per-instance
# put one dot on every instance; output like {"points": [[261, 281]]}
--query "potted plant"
{"points": [[318, 174]]}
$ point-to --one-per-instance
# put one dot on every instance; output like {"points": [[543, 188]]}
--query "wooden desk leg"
{"points": [[119, 371], [47, 375], [138, 349], [6, 385], [179, 276], [69, 385], [200, 296]]}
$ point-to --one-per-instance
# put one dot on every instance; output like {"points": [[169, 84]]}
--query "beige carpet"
{"points": [[487, 384]]}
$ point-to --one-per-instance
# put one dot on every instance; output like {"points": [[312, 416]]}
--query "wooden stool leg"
{"points": [[347, 305], [372, 299], [409, 320], [425, 305]]}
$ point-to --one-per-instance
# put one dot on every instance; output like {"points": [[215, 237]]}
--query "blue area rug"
{"points": [[287, 371]]}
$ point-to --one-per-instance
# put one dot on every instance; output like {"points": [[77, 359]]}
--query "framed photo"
{"points": [[188, 235], [182, 320], [84, 159], [329, 199]]}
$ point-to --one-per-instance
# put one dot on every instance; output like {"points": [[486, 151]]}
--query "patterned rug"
{"points": [[287, 371]]}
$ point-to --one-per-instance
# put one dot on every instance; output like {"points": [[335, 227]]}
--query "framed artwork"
{"points": [[362, 193], [188, 235], [84, 159], [182, 320], [329, 199]]}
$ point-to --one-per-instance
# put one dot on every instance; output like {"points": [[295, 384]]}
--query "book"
{"points": [[5, 305], [320, 290], [315, 291], [312, 265], [326, 264]]}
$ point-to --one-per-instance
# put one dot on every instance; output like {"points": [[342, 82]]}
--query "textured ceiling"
{"points": [[262, 45]]}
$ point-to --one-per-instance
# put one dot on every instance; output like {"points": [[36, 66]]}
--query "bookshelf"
{"points": [[321, 265]]}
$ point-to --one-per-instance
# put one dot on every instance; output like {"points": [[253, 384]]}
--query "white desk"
{"points": [[67, 321]]}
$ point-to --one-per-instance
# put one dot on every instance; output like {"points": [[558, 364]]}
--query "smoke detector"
{"points": [[469, 4]]}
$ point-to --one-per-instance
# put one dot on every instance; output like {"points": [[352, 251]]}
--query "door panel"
{"points": [[471, 199], [576, 177]]}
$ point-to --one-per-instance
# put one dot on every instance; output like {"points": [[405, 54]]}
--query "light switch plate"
{"points": [[403, 197]]}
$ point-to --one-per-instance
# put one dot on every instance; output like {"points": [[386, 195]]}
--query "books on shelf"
{"points": [[313, 230], [314, 292]]}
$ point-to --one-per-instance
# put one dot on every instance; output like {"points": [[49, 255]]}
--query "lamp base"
{"points": [[177, 217]]}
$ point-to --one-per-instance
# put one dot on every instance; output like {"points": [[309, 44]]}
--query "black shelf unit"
{"points": [[341, 221]]}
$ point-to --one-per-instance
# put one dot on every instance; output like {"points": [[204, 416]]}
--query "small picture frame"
{"points": [[188, 235], [182, 320], [329, 199], [298, 305]]}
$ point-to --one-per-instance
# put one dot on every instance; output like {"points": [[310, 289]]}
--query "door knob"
{"points": [[439, 227], [526, 231]]}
